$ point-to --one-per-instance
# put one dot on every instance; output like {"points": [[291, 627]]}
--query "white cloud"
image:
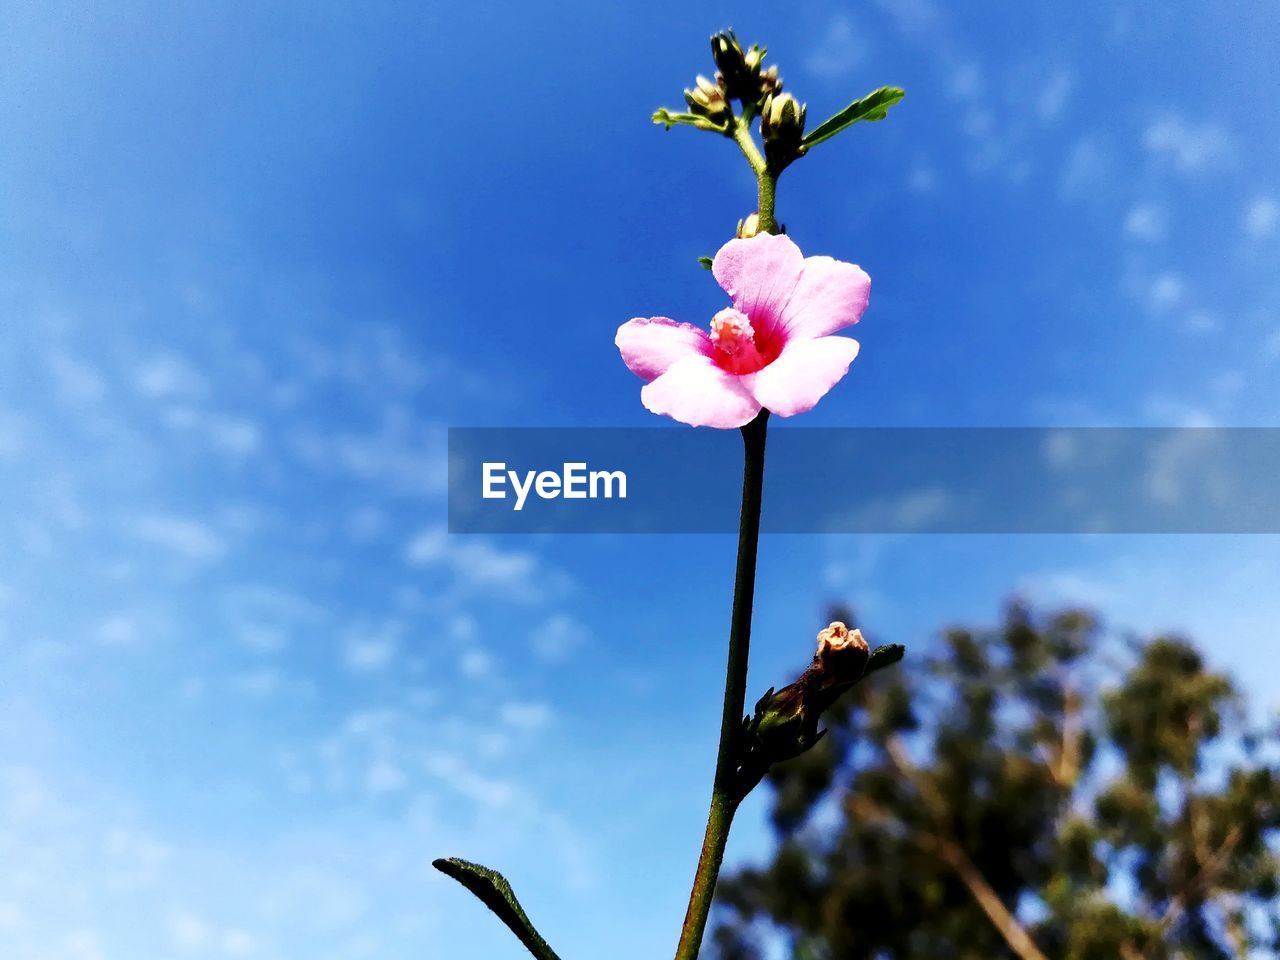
{"points": [[402, 454], [1203, 321], [1055, 93], [168, 375], [239, 943], [525, 716], [840, 50], [1087, 167], [119, 630], [76, 381], [265, 618], [188, 538], [1262, 218], [558, 637], [922, 179], [257, 684], [1165, 292], [919, 18], [461, 776], [479, 565], [11, 916], [189, 931], [13, 435], [384, 776], [1188, 146], [476, 664], [369, 651], [233, 435], [228, 435], [1271, 348], [1146, 222], [83, 945]]}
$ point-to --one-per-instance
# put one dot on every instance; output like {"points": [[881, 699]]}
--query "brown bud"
{"points": [[787, 721], [770, 83], [708, 100]]}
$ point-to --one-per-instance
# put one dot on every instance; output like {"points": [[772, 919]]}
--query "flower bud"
{"points": [[842, 652], [786, 723], [749, 227], [708, 100], [770, 83], [782, 128], [741, 71]]}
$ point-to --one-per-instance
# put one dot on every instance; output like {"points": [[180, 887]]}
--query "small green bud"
{"points": [[749, 227], [708, 100], [782, 129]]}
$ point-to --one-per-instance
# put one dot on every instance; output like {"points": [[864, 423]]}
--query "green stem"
{"points": [[768, 185], [766, 180], [726, 791]]}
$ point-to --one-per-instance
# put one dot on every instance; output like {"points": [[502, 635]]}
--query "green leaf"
{"points": [[885, 656], [874, 106], [706, 262], [492, 889]]}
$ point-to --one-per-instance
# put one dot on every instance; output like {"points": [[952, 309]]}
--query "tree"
{"points": [[1038, 790]]}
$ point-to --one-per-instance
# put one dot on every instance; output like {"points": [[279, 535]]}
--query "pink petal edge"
{"points": [[697, 392], [649, 346], [830, 296], [802, 374]]}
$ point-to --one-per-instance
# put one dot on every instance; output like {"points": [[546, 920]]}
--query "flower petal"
{"points": [[697, 392], [650, 346], [802, 374], [759, 274], [830, 296]]}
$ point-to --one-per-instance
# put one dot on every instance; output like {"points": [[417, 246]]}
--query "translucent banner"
{"points": [[944, 480]]}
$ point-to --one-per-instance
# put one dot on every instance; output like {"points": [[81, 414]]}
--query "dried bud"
{"points": [[708, 100], [770, 83], [749, 227], [741, 71], [782, 128], [843, 651], [786, 722]]}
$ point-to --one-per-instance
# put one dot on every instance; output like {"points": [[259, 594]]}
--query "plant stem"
{"points": [[768, 184], [765, 180], [726, 791]]}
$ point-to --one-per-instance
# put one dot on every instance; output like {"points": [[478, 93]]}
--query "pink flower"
{"points": [[773, 348]]}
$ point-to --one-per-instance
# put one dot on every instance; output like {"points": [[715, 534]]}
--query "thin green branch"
{"points": [[726, 790], [766, 180]]}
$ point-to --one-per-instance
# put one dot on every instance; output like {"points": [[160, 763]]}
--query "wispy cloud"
{"points": [[366, 650], [480, 566], [188, 538], [558, 637], [1146, 222], [169, 375], [1188, 146], [1262, 218], [840, 49]]}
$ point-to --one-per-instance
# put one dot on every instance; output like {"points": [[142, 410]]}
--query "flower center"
{"points": [[731, 331], [738, 347]]}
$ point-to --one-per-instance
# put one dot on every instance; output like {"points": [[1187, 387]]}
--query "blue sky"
{"points": [[254, 259]]}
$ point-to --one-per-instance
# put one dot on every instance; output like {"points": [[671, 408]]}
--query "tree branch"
{"points": [[950, 852]]}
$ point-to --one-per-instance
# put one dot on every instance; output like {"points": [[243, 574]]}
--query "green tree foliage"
{"points": [[1034, 791]]}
